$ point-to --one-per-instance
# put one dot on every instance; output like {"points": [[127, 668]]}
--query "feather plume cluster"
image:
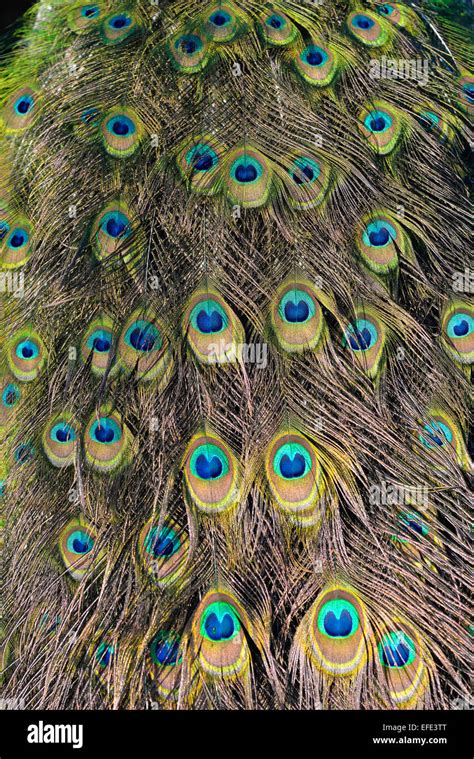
{"points": [[236, 336]]}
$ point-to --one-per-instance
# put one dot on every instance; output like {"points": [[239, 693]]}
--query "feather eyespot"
{"points": [[366, 338], [97, 347], [457, 332], [212, 474], [442, 436], [218, 636], [15, 248], [248, 177], [308, 181], [114, 234], [296, 317], [396, 650], [143, 348], [381, 126], [277, 29], [394, 13], [223, 23], [107, 442], [316, 64], [165, 650], [76, 546], [20, 109], [10, 400], [26, 355], [24, 452], [402, 661], [199, 163], [435, 124], [436, 434], [189, 53], [380, 241], [335, 631], [104, 654], [60, 440], [88, 124], [214, 332], [367, 29], [84, 18], [118, 27], [295, 478], [163, 551], [122, 132], [166, 663]]}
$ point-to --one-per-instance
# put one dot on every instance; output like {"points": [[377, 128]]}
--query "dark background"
{"points": [[11, 10]]}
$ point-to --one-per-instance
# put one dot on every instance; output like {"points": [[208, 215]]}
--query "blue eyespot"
{"points": [[18, 238], [209, 318], [314, 55], [49, 625], [428, 120], [305, 171], [208, 462], [90, 11], [361, 335], [292, 461], [385, 10], [80, 542], [63, 433], [162, 543], [143, 336], [469, 90], [27, 350], [338, 618], [106, 430], [436, 434], [91, 116], [379, 234], [24, 452], [378, 121], [3, 488], [414, 522], [11, 395], [338, 627], [296, 307], [275, 21], [115, 224], [201, 157], [24, 105], [208, 468], [246, 170], [220, 18], [121, 126], [104, 654], [460, 325], [121, 21], [100, 341], [396, 650], [219, 629], [4, 229], [189, 44], [362, 22], [164, 650]]}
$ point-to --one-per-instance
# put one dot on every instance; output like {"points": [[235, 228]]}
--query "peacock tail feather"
{"points": [[236, 337]]}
